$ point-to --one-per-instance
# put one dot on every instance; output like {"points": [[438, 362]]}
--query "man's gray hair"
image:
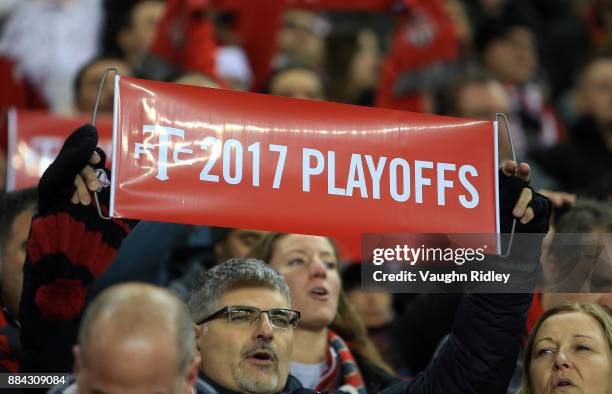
{"points": [[234, 273]]}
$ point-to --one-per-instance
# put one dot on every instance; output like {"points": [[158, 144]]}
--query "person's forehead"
{"points": [[258, 296], [489, 94], [302, 16], [242, 232], [599, 70], [567, 325], [297, 75], [147, 7], [480, 88], [522, 33], [297, 242], [603, 299], [143, 349]]}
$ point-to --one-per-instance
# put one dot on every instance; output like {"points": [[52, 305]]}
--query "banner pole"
{"points": [[93, 123], [509, 134]]}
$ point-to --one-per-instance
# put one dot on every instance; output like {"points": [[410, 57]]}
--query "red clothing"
{"points": [[424, 45], [258, 23], [185, 37], [535, 311], [9, 343], [17, 92]]}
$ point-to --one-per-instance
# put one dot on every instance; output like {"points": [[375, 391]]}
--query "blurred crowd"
{"points": [[546, 65]]}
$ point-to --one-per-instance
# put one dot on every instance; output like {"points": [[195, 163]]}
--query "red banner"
{"points": [[35, 138], [206, 156]]}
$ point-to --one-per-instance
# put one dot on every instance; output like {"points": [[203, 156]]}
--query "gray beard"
{"points": [[250, 383]]}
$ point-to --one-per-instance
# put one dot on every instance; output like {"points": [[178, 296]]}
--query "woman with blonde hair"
{"points": [[331, 346], [570, 351]]}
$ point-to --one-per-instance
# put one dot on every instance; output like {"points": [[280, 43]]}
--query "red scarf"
{"points": [[343, 365]]}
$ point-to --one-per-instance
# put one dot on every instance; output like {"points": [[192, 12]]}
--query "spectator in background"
{"points": [[87, 83], [597, 16], [227, 243], [17, 209], [559, 28], [130, 27], [48, 41], [301, 39], [184, 42], [135, 337], [570, 350], [508, 49], [422, 57], [458, 13], [590, 139], [374, 307], [376, 310], [196, 79], [479, 95], [581, 239], [564, 38], [297, 81], [354, 57]]}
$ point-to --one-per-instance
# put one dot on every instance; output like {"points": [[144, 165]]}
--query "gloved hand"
{"points": [[70, 245], [532, 213], [517, 200], [72, 174]]}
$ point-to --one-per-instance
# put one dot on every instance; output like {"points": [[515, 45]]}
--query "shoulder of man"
{"points": [[294, 386], [203, 387]]}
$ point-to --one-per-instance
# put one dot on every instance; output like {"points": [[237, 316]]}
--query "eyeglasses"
{"points": [[246, 315]]}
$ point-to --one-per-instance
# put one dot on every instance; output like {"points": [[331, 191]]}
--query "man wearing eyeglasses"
{"points": [[244, 328]]}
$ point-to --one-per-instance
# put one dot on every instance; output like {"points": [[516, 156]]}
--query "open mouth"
{"points": [[563, 383], [261, 357], [319, 293]]}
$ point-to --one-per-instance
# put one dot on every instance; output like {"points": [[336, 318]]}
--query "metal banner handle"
{"points": [[93, 123], [505, 120]]}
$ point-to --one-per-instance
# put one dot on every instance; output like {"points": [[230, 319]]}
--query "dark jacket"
{"points": [[375, 378], [584, 164], [293, 386], [480, 354]]}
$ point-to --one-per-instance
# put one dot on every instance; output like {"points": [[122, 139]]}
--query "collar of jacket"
{"points": [[205, 385]]}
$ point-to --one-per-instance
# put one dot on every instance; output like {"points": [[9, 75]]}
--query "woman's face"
{"points": [[310, 267], [571, 355]]}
